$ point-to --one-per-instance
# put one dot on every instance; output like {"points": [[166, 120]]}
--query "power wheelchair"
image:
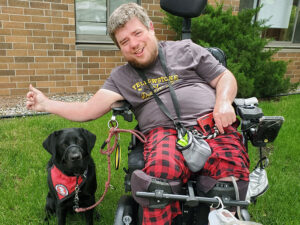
{"points": [[195, 206]]}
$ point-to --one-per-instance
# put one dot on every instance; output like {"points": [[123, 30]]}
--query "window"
{"points": [[282, 17], [91, 20]]}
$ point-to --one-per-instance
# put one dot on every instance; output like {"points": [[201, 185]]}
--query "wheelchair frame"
{"points": [[255, 127]]}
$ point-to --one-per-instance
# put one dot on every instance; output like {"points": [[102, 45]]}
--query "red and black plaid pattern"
{"points": [[228, 158], [163, 161]]}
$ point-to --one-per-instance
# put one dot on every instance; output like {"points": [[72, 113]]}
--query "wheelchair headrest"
{"points": [[183, 8]]}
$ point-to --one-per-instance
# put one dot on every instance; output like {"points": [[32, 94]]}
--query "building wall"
{"points": [[37, 46]]}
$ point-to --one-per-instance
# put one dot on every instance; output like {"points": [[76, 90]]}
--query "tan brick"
{"points": [[16, 66], [37, 39], [17, 52], [23, 84], [7, 85], [40, 5], [9, 25], [23, 46], [6, 59], [69, 40], [43, 46], [24, 59], [60, 34], [69, 53], [32, 12], [61, 46], [91, 77], [44, 59], [19, 91], [35, 26], [44, 72], [39, 78], [57, 90], [20, 79], [63, 83], [91, 65], [56, 78], [71, 89], [55, 53], [5, 31], [38, 66], [45, 84], [62, 71], [37, 52], [21, 32], [59, 6], [68, 14], [42, 33], [4, 92], [54, 40], [62, 59], [57, 20], [56, 66], [54, 27], [4, 17], [16, 39], [97, 59], [12, 10], [25, 72], [20, 18], [6, 46], [107, 53], [3, 66], [96, 71], [4, 79]]}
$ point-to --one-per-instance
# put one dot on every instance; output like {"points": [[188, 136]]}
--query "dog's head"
{"points": [[70, 149]]}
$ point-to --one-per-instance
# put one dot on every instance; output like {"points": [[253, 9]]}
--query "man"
{"points": [[201, 83]]}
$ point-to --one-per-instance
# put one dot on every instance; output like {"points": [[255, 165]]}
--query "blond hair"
{"points": [[123, 14]]}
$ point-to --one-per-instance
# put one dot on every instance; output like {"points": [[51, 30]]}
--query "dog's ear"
{"points": [[90, 139], [50, 142]]}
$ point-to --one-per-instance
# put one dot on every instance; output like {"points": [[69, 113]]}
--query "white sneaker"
{"points": [[224, 217]]}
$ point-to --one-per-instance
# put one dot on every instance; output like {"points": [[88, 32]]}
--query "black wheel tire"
{"points": [[126, 205]]}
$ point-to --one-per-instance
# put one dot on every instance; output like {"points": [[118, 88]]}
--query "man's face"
{"points": [[137, 43]]}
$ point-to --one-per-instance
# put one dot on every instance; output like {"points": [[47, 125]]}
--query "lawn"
{"points": [[23, 186]]}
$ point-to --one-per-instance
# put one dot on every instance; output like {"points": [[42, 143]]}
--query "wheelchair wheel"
{"points": [[126, 211]]}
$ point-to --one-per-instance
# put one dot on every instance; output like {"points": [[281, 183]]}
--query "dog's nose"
{"points": [[75, 156]]}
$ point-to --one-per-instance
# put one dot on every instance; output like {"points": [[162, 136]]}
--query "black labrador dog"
{"points": [[71, 173]]}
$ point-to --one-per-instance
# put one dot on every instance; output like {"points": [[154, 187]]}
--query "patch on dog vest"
{"points": [[64, 185]]}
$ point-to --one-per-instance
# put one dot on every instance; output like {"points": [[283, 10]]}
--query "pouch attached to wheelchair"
{"points": [[195, 150], [258, 181]]}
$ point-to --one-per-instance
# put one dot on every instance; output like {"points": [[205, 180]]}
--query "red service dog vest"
{"points": [[64, 185]]}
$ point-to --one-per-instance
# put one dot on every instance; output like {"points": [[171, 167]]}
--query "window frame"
{"points": [[294, 42]]}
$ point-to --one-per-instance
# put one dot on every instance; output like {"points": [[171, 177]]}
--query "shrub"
{"points": [[240, 38]]}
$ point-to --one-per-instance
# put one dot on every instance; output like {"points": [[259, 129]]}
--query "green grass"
{"points": [[23, 186]]}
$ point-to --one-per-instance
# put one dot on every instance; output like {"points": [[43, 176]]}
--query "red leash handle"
{"points": [[112, 132]]}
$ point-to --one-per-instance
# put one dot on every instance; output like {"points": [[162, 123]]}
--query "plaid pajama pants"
{"points": [[163, 160]]}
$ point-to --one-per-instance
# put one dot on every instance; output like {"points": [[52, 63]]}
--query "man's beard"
{"points": [[139, 65]]}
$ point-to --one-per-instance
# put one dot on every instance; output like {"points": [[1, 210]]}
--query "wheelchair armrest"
{"points": [[248, 108], [122, 108]]}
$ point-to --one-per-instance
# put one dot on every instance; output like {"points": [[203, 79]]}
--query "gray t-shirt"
{"points": [[191, 68]]}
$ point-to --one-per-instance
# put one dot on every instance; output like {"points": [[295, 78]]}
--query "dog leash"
{"points": [[113, 132]]}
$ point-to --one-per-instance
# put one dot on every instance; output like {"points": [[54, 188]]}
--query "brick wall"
{"points": [[37, 46]]}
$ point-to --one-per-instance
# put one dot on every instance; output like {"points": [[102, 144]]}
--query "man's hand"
{"points": [[224, 116], [226, 89], [36, 100]]}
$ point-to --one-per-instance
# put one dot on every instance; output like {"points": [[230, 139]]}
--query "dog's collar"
{"points": [[63, 185]]}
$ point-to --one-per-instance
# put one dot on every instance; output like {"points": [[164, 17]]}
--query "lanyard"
{"points": [[160, 103]]}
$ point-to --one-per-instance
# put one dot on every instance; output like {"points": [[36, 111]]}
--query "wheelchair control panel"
{"points": [[259, 129]]}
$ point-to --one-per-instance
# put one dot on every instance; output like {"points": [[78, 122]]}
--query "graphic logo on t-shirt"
{"points": [[158, 84]]}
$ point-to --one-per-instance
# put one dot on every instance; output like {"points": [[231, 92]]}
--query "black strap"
{"points": [[161, 105]]}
